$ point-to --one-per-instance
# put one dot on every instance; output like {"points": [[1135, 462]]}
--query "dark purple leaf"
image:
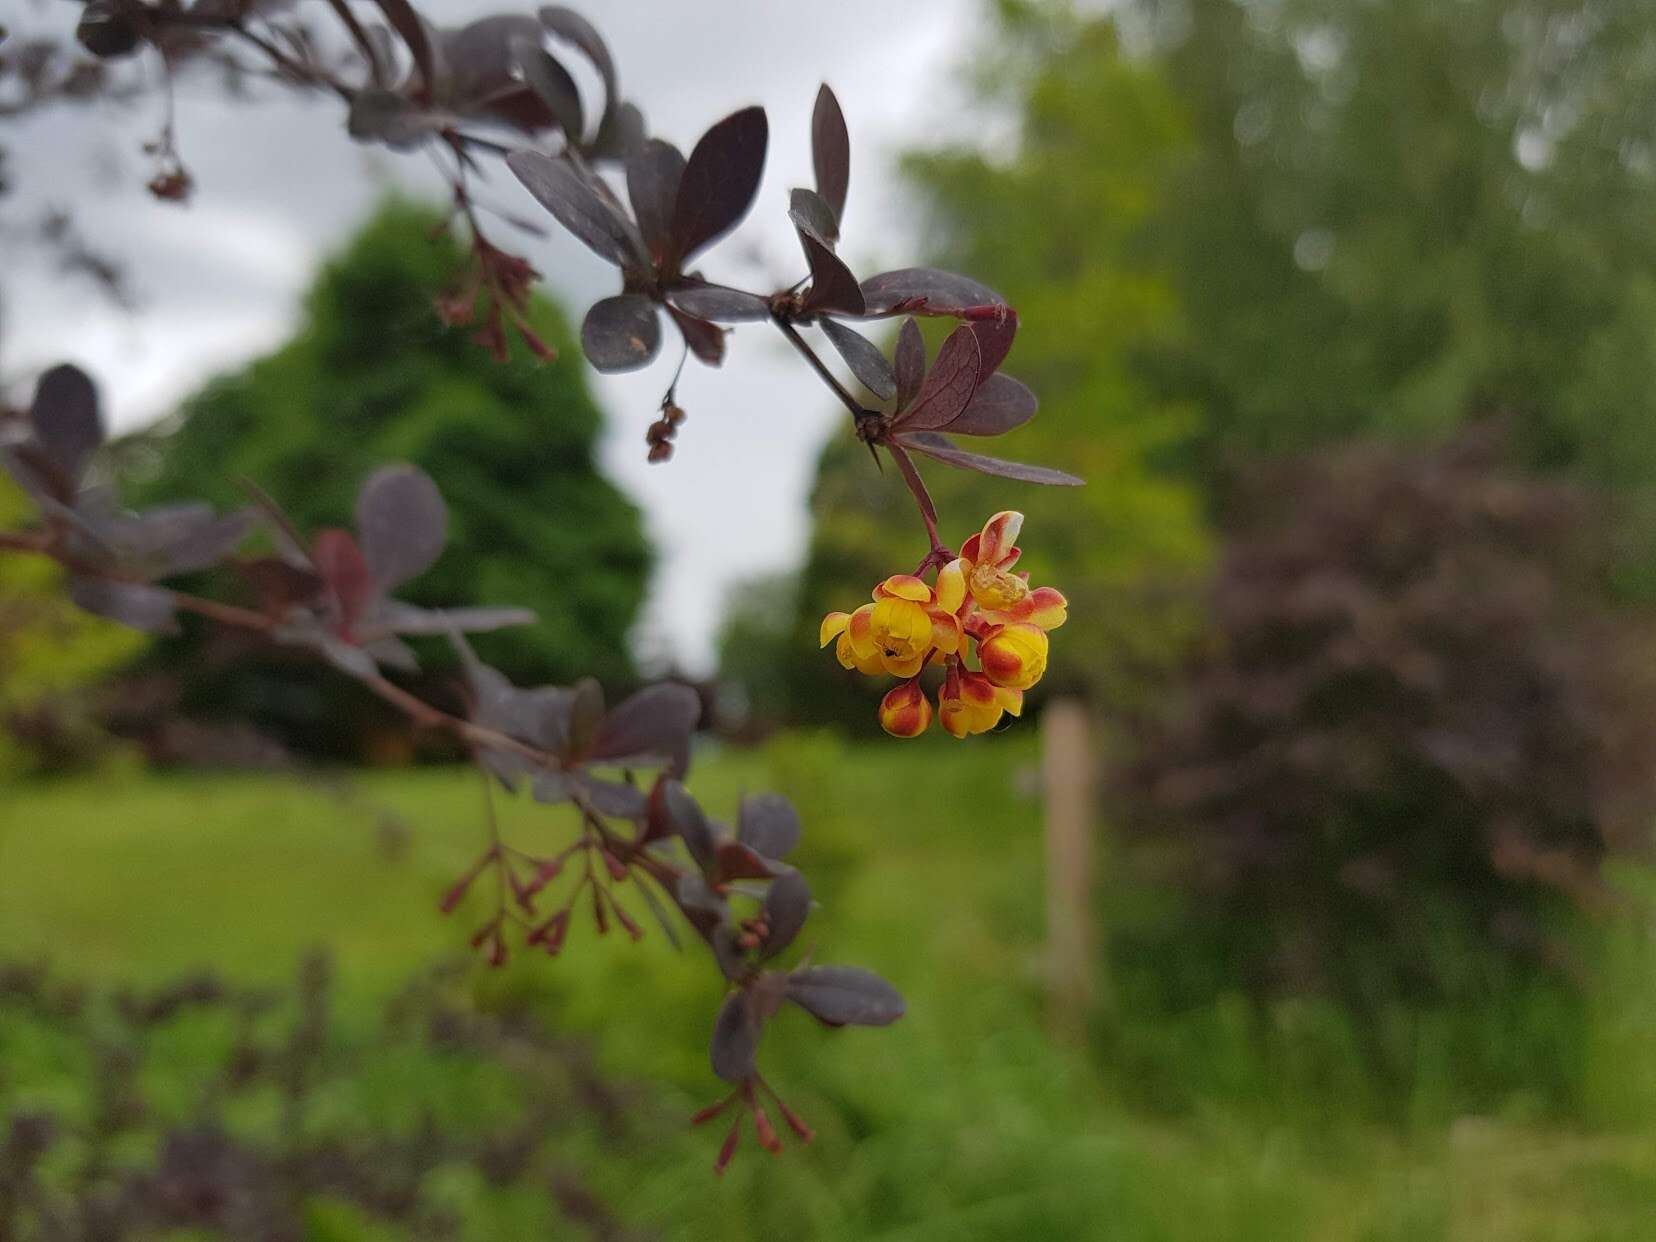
{"points": [[479, 57], [653, 173], [552, 84], [621, 333], [104, 32], [830, 151], [705, 909], [685, 820], [133, 604], [994, 337], [735, 1039], [655, 723], [935, 446], [833, 287], [734, 861], [397, 121], [719, 304], [811, 214], [199, 541], [402, 524], [278, 584], [414, 32], [706, 340], [576, 205], [787, 906], [620, 133], [614, 798], [845, 996], [910, 362], [1000, 404], [720, 180], [948, 386], [768, 824], [64, 415], [538, 717], [568, 24], [925, 291], [867, 363]]}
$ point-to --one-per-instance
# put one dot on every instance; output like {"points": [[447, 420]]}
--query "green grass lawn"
{"points": [[962, 1122]]}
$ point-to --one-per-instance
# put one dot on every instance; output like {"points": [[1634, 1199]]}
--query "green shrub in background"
{"points": [[52, 658], [1396, 776]]}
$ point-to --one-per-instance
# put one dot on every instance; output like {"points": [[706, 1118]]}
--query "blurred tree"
{"points": [[51, 656], [374, 376], [1392, 217], [1052, 228], [1416, 736]]}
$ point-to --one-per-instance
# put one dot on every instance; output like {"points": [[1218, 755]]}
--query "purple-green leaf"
{"points": [[768, 824], [787, 906], [567, 24], [719, 304], [654, 723], [133, 604], [909, 363], [811, 213], [833, 287], [552, 83]]}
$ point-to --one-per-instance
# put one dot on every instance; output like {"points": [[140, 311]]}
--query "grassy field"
{"points": [[962, 1122]]}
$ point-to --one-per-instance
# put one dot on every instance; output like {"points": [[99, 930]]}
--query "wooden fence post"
{"points": [[1068, 782]]}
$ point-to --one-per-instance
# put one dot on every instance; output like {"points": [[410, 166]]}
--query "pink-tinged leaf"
{"points": [[720, 180], [948, 386], [564, 192], [734, 861], [735, 1042], [845, 996], [830, 151], [621, 333], [925, 291], [938, 448], [567, 24], [909, 363], [867, 363], [65, 418], [994, 336], [1000, 404], [719, 304], [343, 567], [833, 287], [706, 340], [402, 524], [653, 174]]}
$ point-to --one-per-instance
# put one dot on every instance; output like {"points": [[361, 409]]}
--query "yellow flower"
{"points": [[983, 572], [1015, 655], [971, 703], [897, 633], [905, 711]]}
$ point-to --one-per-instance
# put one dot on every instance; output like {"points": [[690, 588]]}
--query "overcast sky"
{"points": [[279, 185]]}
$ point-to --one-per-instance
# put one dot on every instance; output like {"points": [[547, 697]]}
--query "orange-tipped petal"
{"points": [[861, 631], [833, 625], [1000, 535], [905, 711], [971, 550], [1015, 655], [904, 586], [1044, 606], [951, 586], [946, 633]]}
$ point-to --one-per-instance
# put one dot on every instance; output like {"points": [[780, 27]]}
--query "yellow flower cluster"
{"points": [[977, 600]]}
